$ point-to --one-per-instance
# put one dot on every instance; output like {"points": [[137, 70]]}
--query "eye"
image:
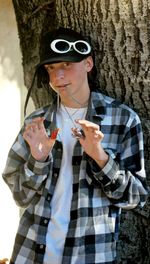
{"points": [[49, 68], [67, 64]]}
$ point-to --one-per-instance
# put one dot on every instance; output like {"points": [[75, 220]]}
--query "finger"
{"points": [[38, 119], [36, 122], [87, 124], [39, 122], [33, 127], [27, 136], [54, 134], [30, 129], [99, 135]]}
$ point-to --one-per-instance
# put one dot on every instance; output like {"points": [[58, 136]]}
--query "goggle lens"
{"points": [[82, 47], [62, 46]]}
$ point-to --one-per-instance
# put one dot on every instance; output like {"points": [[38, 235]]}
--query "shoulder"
{"points": [[113, 107], [40, 112]]}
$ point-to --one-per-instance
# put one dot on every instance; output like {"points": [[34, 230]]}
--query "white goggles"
{"points": [[63, 46]]}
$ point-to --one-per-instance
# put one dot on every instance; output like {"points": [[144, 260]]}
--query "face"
{"points": [[69, 79]]}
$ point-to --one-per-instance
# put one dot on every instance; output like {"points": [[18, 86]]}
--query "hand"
{"points": [[91, 143], [38, 140]]}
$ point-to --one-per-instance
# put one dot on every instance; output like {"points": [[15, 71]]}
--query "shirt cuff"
{"points": [[106, 175], [38, 167]]}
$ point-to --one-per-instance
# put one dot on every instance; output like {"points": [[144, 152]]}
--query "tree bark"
{"points": [[120, 35]]}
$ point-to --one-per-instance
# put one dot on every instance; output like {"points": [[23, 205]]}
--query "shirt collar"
{"points": [[96, 110], [97, 107]]}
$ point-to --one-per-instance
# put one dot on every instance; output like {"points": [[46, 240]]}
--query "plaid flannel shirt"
{"points": [[98, 194]]}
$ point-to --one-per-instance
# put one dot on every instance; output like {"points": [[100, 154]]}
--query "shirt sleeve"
{"points": [[123, 179], [23, 174]]}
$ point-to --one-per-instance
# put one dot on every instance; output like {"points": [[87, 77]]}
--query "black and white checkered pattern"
{"points": [[98, 195]]}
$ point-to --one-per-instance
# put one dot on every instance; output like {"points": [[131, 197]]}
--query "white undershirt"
{"points": [[61, 201]]}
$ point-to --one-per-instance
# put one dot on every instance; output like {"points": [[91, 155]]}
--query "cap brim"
{"points": [[61, 59]]}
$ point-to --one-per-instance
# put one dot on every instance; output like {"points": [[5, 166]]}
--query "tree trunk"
{"points": [[120, 33]]}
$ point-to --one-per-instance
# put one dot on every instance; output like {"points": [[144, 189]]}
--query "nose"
{"points": [[59, 74]]}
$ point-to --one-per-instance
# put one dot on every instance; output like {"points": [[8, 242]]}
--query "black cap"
{"points": [[48, 56]]}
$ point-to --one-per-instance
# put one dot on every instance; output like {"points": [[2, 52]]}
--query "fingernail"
{"points": [[54, 133]]}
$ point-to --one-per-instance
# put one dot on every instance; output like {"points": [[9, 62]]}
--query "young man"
{"points": [[74, 164]]}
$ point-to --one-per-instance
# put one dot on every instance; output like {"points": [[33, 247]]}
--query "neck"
{"points": [[75, 102]]}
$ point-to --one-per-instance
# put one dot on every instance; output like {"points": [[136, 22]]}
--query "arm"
{"points": [[23, 174], [122, 178], [26, 168]]}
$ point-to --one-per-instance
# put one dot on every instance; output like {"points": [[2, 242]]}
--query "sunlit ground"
{"points": [[12, 97], [9, 127]]}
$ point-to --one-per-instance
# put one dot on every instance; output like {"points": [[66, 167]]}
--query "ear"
{"points": [[89, 63]]}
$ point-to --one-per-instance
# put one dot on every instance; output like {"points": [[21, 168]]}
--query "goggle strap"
{"points": [[29, 93]]}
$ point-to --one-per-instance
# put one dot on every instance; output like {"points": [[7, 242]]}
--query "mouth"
{"points": [[62, 86]]}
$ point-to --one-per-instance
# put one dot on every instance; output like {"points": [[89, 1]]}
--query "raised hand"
{"points": [[90, 140], [38, 140]]}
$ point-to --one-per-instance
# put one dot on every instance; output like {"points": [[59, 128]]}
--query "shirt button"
{"points": [[48, 197], [55, 175], [45, 221], [41, 246]]}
